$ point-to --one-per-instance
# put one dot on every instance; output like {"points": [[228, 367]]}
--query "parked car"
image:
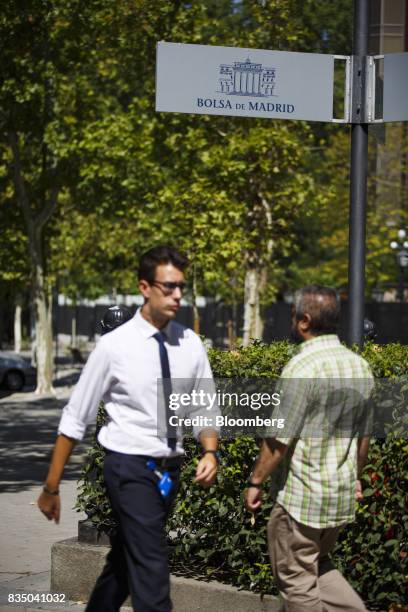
{"points": [[15, 371]]}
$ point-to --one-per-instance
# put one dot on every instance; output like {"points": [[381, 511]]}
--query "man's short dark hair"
{"points": [[157, 256], [322, 304]]}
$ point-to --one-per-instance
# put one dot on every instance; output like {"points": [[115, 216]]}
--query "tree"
{"points": [[53, 87], [14, 270], [171, 178], [100, 176], [28, 95], [323, 254], [225, 190], [250, 171]]}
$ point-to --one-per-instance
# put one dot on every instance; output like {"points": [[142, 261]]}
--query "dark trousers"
{"points": [[137, 563]]}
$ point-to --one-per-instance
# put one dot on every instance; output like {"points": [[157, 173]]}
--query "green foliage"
{"points": [[211, 533], [323, 239], [78, 90], [373, 551], [257, 360], [213, 529], [14, 269], [92, 497], [387, 360]]}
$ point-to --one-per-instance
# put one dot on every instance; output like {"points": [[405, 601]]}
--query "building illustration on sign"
{"points": [[247, 79]]}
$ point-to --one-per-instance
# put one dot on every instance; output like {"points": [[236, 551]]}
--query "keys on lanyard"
{"points": [[164, 482]]}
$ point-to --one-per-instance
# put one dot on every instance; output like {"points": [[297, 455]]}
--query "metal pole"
{"points": [[56, 321], [358, 176], [401, 285]]}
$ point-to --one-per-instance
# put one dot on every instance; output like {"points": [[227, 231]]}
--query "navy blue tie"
{"points": [[167, 388]]}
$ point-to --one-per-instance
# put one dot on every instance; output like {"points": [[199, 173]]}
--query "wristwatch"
{"points": [[213, 452], [254, 485]]}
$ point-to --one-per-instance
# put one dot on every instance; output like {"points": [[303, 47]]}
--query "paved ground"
{"points": [[28, 425]]}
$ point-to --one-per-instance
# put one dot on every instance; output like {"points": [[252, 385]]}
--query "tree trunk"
{"points": [[17, 323], [253, 325], [43, 313], [32, 332], [74, 337], [35, 224], [256, 276], [231, 334]]}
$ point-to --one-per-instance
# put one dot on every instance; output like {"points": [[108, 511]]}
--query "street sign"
{"points": [[395, 106], [240, 82]]}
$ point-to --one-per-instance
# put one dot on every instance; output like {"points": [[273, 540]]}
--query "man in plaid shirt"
{"points": [[325, 388]]}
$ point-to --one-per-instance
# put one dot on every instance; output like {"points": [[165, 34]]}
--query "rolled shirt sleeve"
{"points": [[82, 407]]}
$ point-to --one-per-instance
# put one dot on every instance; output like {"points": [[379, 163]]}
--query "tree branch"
{"points": [[49, 207]]}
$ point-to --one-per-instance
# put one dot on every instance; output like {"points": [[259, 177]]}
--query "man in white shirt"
{"points": [[127, 369]]}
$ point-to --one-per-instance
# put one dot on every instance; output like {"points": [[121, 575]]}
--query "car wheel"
{"points": [[14, 380]]}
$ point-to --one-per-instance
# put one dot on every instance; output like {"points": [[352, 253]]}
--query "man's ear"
{"points": [[305, 323], [144, 288]]}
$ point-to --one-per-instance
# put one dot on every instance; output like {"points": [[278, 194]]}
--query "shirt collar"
{"points": [[319, 342], [147, 329]]}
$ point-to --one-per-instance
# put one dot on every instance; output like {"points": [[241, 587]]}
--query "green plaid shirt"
{"points": [[323, 426]]}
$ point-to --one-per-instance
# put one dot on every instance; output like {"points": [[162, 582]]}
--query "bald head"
{"points": [[320, 304]]}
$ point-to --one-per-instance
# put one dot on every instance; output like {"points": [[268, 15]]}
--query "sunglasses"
{"points": [[168, 288]]}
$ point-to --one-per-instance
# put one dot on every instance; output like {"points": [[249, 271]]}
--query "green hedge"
{"points": [[211, 533]]}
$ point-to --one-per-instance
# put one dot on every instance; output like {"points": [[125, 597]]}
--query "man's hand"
{"points": [[359, 491], [272, 452], [50, 506], [206, 470], [253, 499]]}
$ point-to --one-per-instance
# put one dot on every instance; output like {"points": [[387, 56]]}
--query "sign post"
{"points": [[358, 176]]}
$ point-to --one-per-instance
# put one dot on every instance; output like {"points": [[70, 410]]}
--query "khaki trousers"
{"points": [[303, 570]]}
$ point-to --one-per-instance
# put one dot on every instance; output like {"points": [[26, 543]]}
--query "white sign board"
{"points": [[244, 82], [395, 105]]}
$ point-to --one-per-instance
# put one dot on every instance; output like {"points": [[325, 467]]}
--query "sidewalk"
{"points": [[28, 426]]}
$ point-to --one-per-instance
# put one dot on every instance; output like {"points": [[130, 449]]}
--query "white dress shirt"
{"points": [[123, 370]]}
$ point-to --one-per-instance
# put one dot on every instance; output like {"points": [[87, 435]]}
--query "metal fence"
{"points": [[222, 323]]}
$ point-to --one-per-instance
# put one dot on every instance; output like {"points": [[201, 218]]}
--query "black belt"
{"points": [[165, 462], [161, 462]]}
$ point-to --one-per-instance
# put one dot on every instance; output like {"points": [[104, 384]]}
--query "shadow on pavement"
{"points": [[67, 380], [28, 429], [4, 393]]}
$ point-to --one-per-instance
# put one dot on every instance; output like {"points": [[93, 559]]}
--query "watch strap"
{"points": [[47, 490], [212, 452], [254, 485]]}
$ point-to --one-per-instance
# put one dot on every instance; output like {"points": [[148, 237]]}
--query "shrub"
{"points": [[92, 497], [373, 551], [211, 533]]}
